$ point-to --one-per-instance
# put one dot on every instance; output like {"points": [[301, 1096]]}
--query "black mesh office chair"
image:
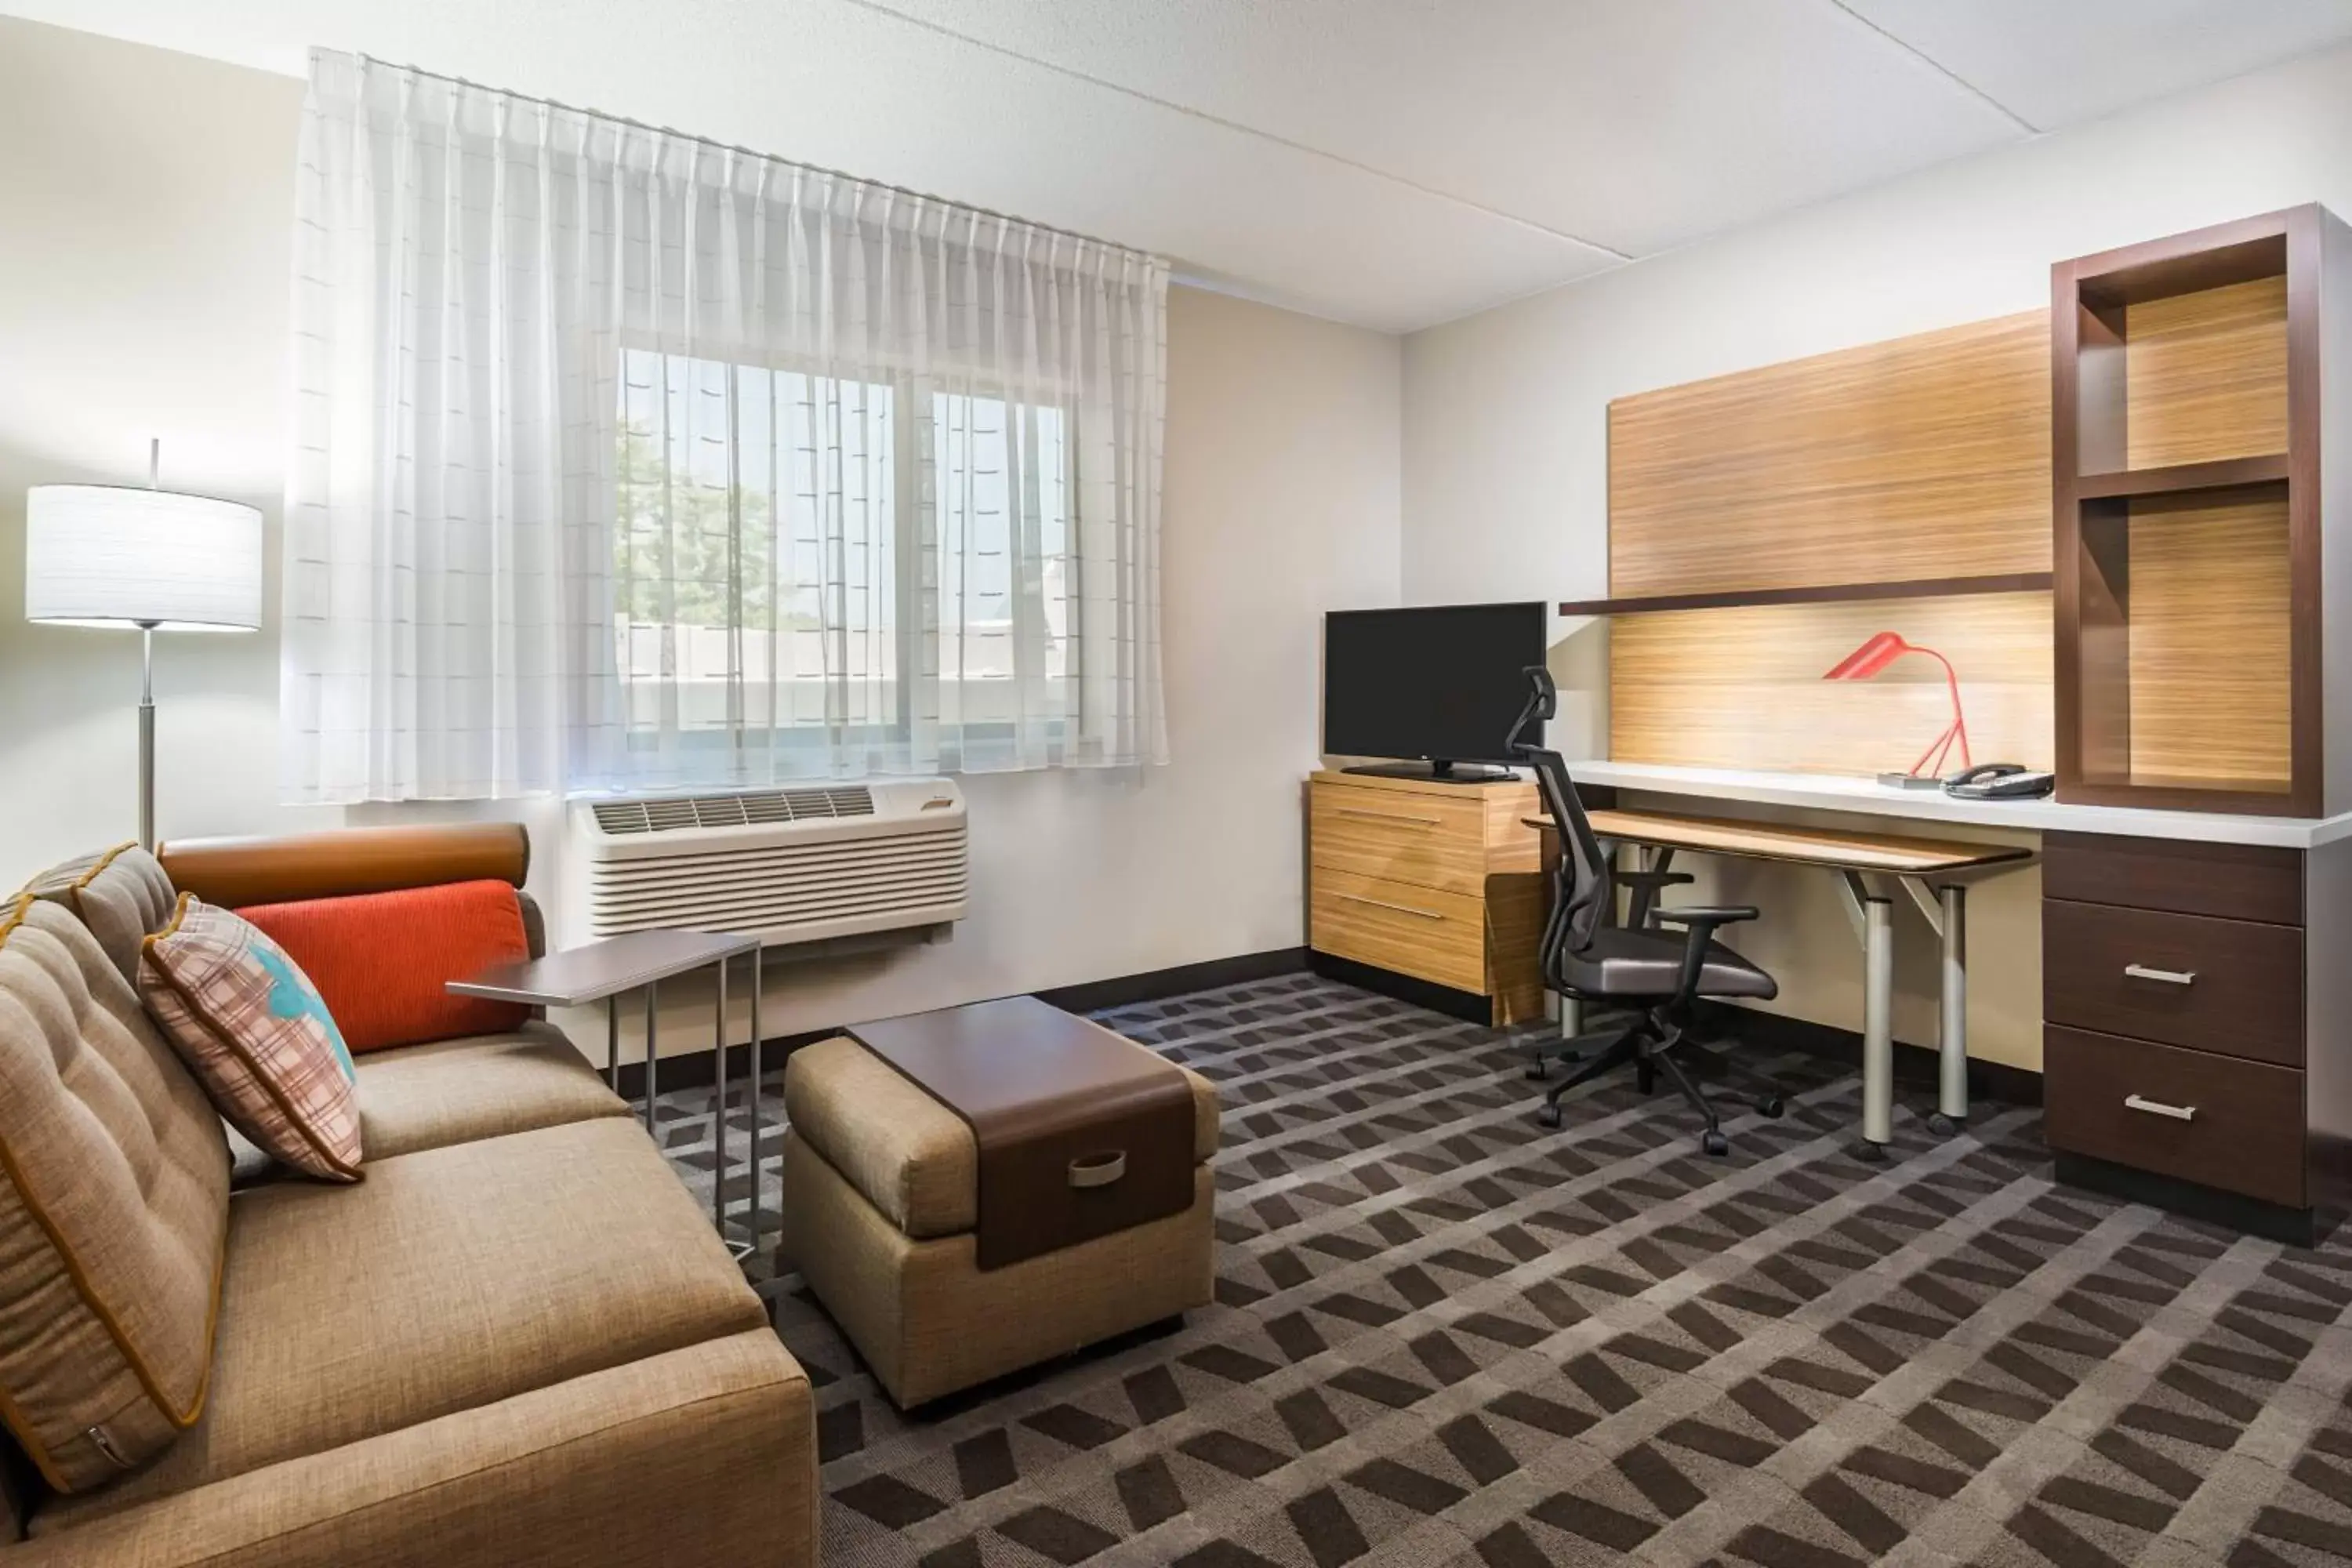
{"points": [[1655, 974]]}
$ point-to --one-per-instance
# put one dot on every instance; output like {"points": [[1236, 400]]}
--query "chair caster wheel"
{"points": [[1771, 1105], [1548, 1115], [1715, 1142], [1941, 1125]]}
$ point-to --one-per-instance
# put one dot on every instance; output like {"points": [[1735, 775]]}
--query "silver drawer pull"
{"points": [[1099, 1169], [1397, 908], [2157, 1108], [1391, 816], [2169, 976]]}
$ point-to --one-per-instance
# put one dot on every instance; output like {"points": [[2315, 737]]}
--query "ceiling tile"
{"points": [[2060, 64], [1637, 126]]}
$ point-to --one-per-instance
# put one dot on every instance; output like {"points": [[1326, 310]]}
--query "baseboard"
{"points": [[1126, 990], [1913, 1065], [1467, 1005], [2232, 1211], [698, 1069]]}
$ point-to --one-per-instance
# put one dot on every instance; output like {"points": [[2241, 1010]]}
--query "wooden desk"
{"points": [[1928, 868]]}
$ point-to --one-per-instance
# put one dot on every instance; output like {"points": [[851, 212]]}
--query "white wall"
{"points": [[143, 267], [1505, 431]]}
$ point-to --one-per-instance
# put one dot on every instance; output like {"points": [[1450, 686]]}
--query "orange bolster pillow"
{"points": [[379, 960]]}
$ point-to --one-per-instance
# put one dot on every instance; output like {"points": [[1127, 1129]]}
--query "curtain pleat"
{"points": [[623, 460]]}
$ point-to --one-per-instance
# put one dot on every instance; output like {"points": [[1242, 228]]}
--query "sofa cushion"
{"points": [[121, 894], [455, 1091], [449, 1279], [253, 1029], [704, 1456], [911, 1157], [112, 1210], [383, 960]]}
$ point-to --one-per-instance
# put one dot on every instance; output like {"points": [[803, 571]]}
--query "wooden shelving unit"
{"points": [[1823, 593], [2185, 380]]}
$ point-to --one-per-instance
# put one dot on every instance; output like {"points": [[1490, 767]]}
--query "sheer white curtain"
{"points": [[624, 459]]}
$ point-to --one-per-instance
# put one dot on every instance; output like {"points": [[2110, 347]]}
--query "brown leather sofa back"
{"points": [[235, 872]]}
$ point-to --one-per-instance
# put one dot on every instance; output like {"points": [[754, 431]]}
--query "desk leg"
{"points": [[652, 1052], [1952, 1035], [613, 1042], [754, 1160], [718, 1109], [1875, 915]]}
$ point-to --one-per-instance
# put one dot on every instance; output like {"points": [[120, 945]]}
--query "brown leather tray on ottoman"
{"points": [[882, 1212]]}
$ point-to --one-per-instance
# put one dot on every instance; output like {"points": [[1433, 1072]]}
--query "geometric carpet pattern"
{"points": [[1443, 1335]]}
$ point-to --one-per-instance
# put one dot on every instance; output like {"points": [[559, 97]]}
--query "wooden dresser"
{"points": [[2194, 1016], [1428, 889]]}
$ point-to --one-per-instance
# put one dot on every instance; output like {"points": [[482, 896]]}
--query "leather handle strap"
{"points": [[1099, 1169]]}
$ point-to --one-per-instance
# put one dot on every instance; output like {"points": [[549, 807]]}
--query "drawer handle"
{"points": [[1099, 1169], [2169, 976], [1391, 816], [2157, 1108], [1400, 908]]}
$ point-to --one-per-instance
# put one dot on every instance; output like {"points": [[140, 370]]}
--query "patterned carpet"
{"points": [[1446, 1336]]}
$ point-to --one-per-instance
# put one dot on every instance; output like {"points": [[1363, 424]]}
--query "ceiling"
{"points": [[1393, 162]]}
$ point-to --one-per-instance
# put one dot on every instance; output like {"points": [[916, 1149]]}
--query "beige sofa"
{"points": [[516, 1340]]}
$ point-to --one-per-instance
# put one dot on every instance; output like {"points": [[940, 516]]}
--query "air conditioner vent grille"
{"points": [[683, 813]]}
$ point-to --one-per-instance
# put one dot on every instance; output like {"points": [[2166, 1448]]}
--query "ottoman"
{"points": [[881, 1207]]}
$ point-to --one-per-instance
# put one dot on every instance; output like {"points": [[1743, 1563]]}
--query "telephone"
{"points": [[1999, 781]]}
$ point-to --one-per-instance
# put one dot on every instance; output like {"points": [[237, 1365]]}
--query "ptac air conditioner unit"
{"points": [[789, 865]]}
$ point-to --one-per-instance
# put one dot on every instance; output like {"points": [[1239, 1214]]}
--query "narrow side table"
{"points": [[602, 972]]}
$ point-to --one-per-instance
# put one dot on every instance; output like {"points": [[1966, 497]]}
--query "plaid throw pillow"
{"points": [[251, 1027]]}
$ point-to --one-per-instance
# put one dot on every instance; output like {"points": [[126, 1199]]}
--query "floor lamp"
{"points": [[146, 560]]}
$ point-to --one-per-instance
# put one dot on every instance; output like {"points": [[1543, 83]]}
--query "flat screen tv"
{"points": [[1439, 685]]}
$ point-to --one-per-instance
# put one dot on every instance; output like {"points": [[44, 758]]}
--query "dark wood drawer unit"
{"points": [[2185, 1060], [2234, 881], [2226, 1123], [2234, 988]]}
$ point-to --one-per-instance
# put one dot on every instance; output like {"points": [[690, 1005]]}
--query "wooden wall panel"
{"points": [[1741, 688], [1924, 457], [2205, 375], [2209, 659]]}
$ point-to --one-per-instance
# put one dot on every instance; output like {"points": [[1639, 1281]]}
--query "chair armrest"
{"points": [[1646, 885], [1701, 919], [1709, 916]]}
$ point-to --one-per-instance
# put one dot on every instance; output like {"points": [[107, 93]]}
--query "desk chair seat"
{"points": [[1623, 965], [1659, 974]]}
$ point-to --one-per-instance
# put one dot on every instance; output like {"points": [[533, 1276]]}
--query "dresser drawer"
{"points": [[1421, 931], [1425, 840], [2229, 986], [2228, 1123], [2235, 881]]}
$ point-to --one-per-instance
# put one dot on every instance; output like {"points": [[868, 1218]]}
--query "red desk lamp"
{"points": [[1882, 649]]}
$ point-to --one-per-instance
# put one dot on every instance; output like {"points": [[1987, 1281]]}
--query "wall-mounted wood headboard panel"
{"points": [[1742, 688], [1924, 457]]}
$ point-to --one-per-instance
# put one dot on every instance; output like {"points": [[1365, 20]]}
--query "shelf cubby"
{"points": [[2185, 446]]}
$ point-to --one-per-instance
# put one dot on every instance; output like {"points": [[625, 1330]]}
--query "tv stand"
{"points": [[1435, 773]]}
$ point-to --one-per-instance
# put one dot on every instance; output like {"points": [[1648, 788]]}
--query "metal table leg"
{"points": [[1873, 917], [754, 1160], [1952, 1041], [719, 1113], [1946, 910], [652, 1053]]}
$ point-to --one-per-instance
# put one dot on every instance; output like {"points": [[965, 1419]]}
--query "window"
{"points": [[820, 574]]}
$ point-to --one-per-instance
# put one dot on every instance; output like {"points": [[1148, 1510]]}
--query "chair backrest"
{"points": [[1588, 889]]}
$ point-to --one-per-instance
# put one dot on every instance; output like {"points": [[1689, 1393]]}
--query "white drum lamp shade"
{"points": [[108, 556]]}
